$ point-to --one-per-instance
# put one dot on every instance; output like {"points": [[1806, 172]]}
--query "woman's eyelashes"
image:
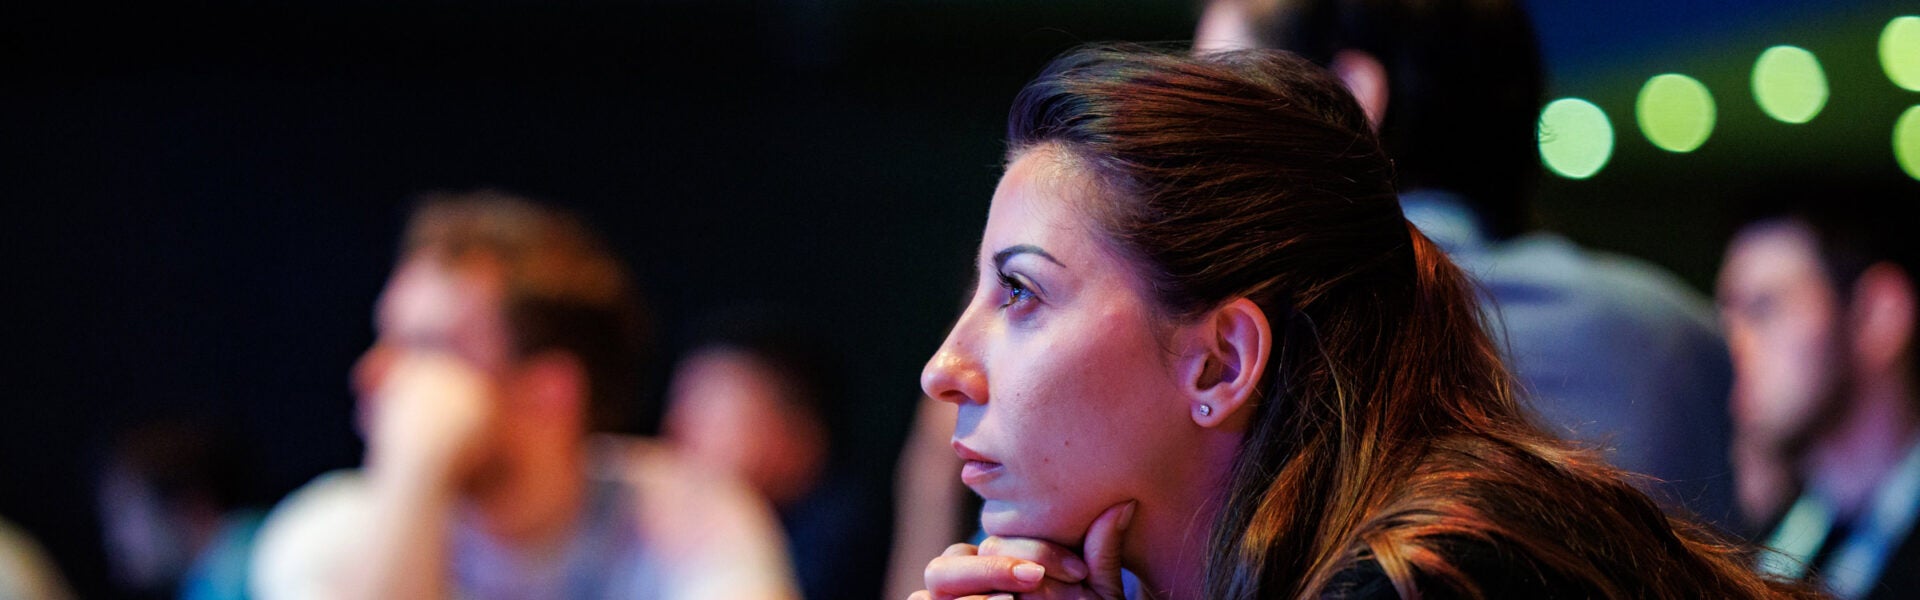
{"points": [[1019, 294]]}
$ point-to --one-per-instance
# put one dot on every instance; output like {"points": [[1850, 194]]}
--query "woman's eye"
{"points": [[1017, 292]]}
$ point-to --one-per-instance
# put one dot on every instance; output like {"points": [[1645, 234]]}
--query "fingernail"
{"points": [[1029, 572], [1075, 568], [1126, 514]]}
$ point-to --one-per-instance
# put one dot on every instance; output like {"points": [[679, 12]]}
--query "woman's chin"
{"points": [[1007, 519]]}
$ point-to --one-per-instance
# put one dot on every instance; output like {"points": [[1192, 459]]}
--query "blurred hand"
{"points": [[1032, 568], [429, 416]]}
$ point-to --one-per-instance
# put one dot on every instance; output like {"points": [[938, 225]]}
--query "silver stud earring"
{"points": [[1206, 410]]}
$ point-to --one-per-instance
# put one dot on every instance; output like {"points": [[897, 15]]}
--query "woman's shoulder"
{"points": [[1482, 569], [1362, 581]]}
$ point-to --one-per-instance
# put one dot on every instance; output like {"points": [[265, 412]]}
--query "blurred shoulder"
{"points": [[661, 478], [305, 539], [712, 534], [1628, 285], [26, 572]]}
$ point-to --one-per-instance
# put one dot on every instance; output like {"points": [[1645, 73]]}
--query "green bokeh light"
{"points": [[1906, 141], [1675, 112], [1789, 84], [1575, 138], [1900, 52]]}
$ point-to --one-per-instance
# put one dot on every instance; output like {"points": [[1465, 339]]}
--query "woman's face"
{"points": [[1068, 400]]}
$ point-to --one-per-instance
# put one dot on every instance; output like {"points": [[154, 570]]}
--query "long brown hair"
{"points": [[1387, 428]]}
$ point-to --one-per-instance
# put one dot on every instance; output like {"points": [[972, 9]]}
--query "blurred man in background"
{"points": [[1615, 351], [506, 335], [1819, 302]]}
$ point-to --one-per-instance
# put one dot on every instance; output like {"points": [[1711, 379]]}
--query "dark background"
{"points": [[202, 199]]}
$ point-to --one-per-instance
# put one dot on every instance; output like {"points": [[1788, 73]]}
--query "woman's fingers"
{"points": [[1063, 564], [950, 577], [924, 595], [1000, 566], [1103, 549]]}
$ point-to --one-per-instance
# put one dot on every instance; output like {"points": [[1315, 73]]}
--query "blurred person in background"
{"points": [[173, 507], [26, 573], [1614, 351], [932, 509], [756, 395], [1818, 296], [506, 336]]}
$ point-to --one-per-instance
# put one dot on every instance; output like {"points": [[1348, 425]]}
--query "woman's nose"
{"points": [[954, 374]]}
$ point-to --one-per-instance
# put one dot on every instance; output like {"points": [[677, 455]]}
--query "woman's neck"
{"points": [[1173, 561], [1168, 541]]}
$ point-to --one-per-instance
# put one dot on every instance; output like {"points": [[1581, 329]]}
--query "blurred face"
{"points": [[428, 306], [728, 410], [1068, 403], [1225, 25], [1782, 319]]}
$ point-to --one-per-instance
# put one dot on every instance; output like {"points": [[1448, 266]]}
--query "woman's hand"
{"points": [[1000, 567]]}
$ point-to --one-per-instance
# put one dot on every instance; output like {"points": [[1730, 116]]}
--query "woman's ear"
{"points": [[1225, 371]]}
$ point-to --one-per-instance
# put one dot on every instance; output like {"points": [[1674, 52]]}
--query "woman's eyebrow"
{"points": [[1000, 258]]}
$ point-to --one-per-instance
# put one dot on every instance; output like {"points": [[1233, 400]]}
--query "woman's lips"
{"points": [[979, 469], [976, 472]]}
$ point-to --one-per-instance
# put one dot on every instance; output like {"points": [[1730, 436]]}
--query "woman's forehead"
{"points": [[1038, 201]]}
